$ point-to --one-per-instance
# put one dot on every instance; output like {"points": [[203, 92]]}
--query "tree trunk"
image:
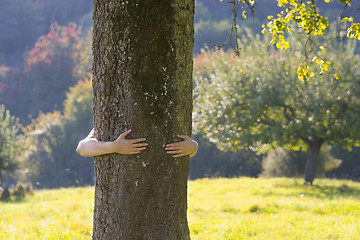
{"points": [[312, 161], [355, 172], [142, 80]]}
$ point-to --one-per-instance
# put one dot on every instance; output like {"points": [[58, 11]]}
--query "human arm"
{"points": [[185, 147], [90, 146]]}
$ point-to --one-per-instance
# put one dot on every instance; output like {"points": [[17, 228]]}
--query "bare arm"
{"points": [[90, 146], [182, 148]]}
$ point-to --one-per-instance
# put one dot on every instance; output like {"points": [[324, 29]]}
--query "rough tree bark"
{"points": [[312, 162], [142, 80]]}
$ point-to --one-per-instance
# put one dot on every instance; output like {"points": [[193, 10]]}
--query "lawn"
{"points": [[220, 209]]}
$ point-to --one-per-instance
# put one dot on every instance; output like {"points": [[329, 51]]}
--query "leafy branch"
{"points": [[298, 13], [234, 27]]}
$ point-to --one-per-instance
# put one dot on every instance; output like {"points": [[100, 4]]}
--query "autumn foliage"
{"points": [[59, 42], [57, 61]]}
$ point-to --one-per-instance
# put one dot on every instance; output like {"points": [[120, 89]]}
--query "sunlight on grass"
{"points": [[219, 209], [246, 208], [49, 214]]}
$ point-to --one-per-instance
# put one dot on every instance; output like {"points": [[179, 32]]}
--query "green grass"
{"points": [[238, 208]]}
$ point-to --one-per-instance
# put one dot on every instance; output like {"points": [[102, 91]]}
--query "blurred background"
{"points": [[46, 96]]}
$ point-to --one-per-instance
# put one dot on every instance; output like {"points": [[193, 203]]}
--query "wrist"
{"points": [[109, 147]]}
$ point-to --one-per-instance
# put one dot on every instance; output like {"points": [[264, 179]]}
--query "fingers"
{"points": [[137, 145], [185, 137], [137, 140], [178, 144], [174, 152], [124, 134], [139, 149], [131, 141], [171, 147], [179, 155], [134, 152]]}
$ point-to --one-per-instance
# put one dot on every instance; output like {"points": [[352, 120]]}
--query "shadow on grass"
{"points": [[321, 190], [14, 200]]}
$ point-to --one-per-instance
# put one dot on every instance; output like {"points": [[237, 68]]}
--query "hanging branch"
{"points": [[234, 27]]}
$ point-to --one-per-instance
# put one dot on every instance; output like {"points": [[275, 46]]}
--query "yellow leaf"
{"points": [[299, 70], [244, 14], [282, 2]]}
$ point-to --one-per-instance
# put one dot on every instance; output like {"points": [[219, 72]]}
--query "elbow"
{"points": [[80, 149]]}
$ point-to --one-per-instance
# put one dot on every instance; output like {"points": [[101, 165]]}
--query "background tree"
{"points": [[34, 19], [12, 94], [307, 17], [258, 101], [282, 163], [210, 161], [50, 68], [350, 167], [58, 60], [10, 143], [52, 161], [142, 81]]}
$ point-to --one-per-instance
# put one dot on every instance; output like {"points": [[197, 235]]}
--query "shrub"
{"points": [[29, 189], [5, 195], [281, 163], [19, 191]]}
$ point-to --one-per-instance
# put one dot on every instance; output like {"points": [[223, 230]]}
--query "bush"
{"points": [[19, 191], [50, 162], [282, 163], [5, 195], [210, 161], [29, 189]]}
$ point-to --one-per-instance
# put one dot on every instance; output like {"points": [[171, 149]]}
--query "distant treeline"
{"points": [[45, 83]]}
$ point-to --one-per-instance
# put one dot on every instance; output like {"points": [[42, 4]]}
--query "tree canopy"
{"points": [[302, 16], [52, 138], [256, 100], [11, 142]]}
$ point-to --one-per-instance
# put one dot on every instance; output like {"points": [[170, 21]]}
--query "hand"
{"points": [[125, 146], [183, 148]]}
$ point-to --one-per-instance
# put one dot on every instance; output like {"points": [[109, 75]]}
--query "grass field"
{"points": [[219, 209]]}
